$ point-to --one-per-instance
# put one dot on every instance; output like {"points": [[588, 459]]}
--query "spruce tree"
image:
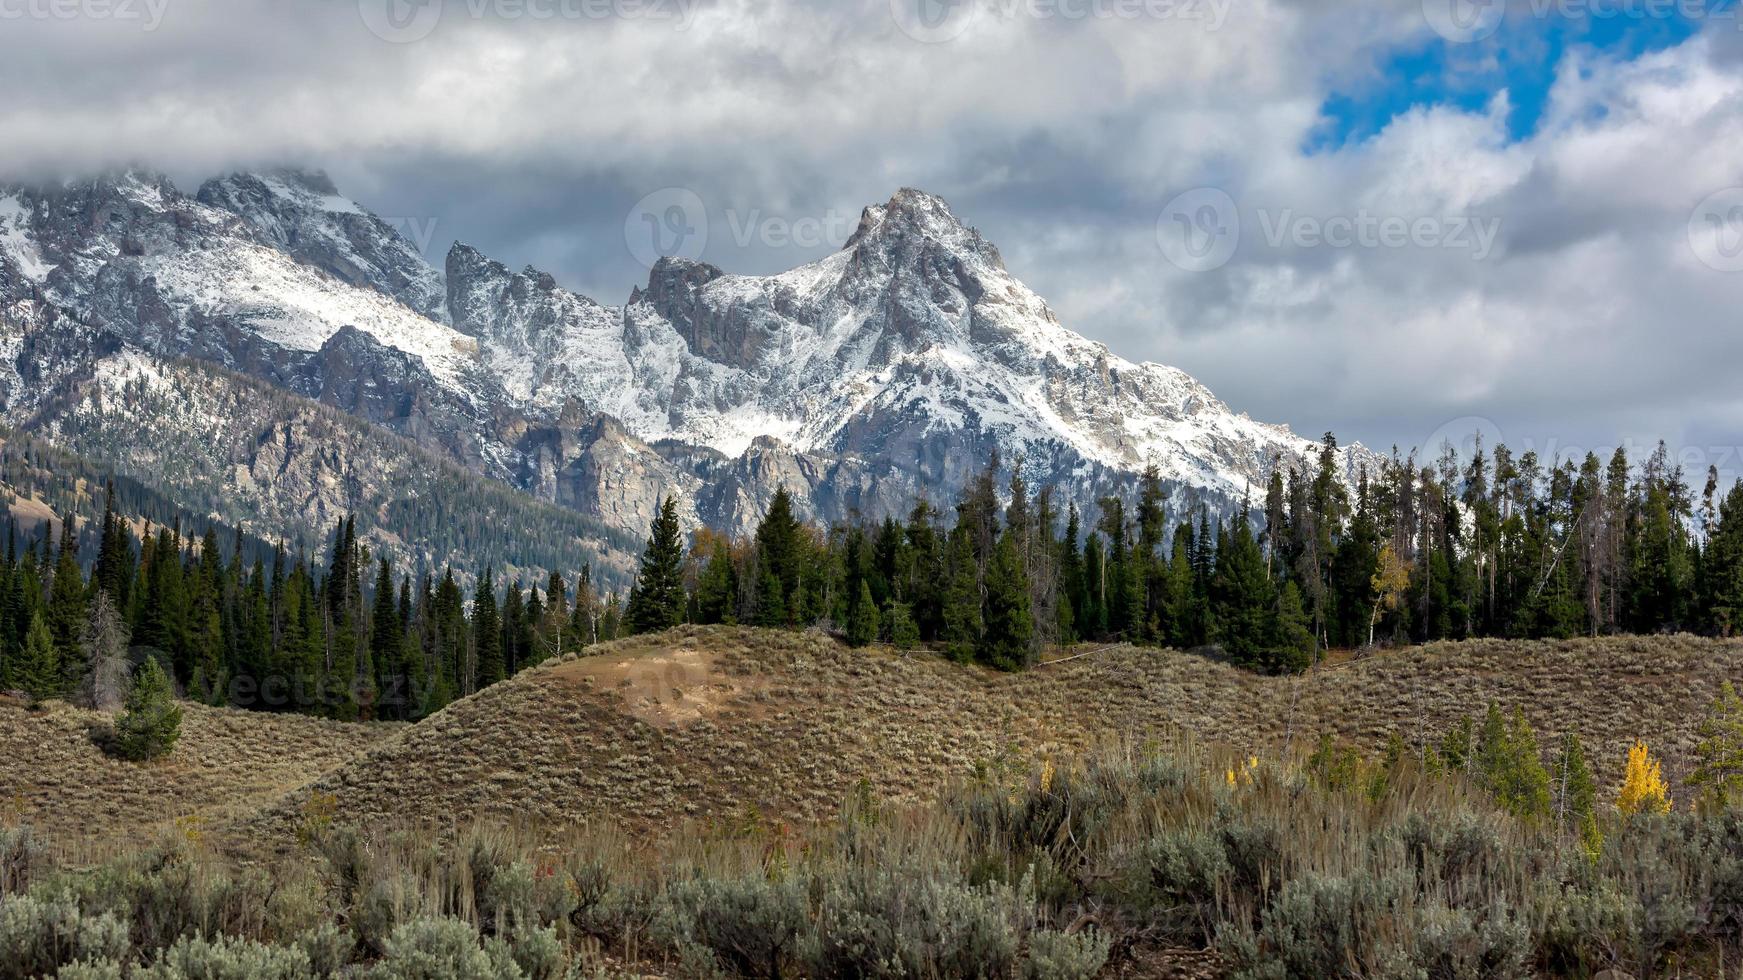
{"points": [[1576, 792], [862, 617], [1007, 641], [487, 633], [113, 561], [513, 616], [1121, 576], [778, 548], [1510, 766], [1290, 649], [66, 607], [1150, 573], [206, 661], [771, 606], [924, 589], [1718, 773], [1070, 582], [38, 671], [151, 721], [448, 640], [1722, 567], [1242, 597], [1185, 618], [1091, 609], [962, 599], [658, 601], [899, 625], [387, 644], [717, 590]]}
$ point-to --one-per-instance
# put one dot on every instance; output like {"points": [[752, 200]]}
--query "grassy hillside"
{"points": [[720, 723], [226, 763], [1168, 854]]}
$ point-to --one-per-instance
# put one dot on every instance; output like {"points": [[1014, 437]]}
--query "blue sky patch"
{"points": [[1521, 57]]}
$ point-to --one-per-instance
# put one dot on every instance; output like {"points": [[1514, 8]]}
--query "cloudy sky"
{"points": [[1391, 218]]}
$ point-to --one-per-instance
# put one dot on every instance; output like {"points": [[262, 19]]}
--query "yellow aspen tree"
{"points": [[1643, 789], [1391, 579]]}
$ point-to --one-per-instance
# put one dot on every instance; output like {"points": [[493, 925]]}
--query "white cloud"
{"points": [[1060, 138]]}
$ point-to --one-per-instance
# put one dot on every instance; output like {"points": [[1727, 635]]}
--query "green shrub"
{"points": [[506, 901], [1065, 956], [224, 958], [540, 955], [1586, 929], [97, 970], [167, 893], [1318, 926], [384, 906], [1493, 944], [1455, 856], [750, 925], [39, 935], [442, 949], [1256, 853], [891, 922], [328, 947], [1175, 879]]}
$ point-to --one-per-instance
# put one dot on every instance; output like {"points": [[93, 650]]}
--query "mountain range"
{"points": [[211, 342]]}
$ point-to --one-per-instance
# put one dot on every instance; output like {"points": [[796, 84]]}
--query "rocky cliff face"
{"points": [[889, 370]]}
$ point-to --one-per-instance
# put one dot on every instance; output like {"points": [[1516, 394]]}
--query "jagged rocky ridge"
{"points": [[889, 370]]}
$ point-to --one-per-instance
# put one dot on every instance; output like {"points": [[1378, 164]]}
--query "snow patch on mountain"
{"points": [[299, 308], [15, 240], [303, 214]]}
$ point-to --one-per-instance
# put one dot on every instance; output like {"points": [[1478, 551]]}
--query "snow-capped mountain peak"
{"points": [[912, 214], [889, 369]]}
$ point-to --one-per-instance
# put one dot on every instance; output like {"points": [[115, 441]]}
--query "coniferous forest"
{"points": [[1495, 545]]}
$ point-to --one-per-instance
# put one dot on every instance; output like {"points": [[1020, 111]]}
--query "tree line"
{"points": [[345, 638], [1496, 545], [1493, 545]]}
